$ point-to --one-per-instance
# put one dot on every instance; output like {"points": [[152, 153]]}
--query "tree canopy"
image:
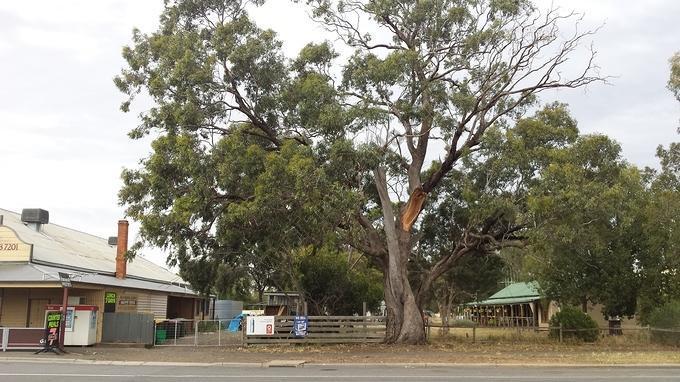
{"points": [[258, 154]]}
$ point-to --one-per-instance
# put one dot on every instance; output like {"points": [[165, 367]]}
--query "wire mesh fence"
{"points": [[546, 334], [198, 333], [205, 333]]}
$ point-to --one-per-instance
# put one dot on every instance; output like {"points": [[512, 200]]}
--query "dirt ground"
{"points": [[449, 352], [494, 346]]}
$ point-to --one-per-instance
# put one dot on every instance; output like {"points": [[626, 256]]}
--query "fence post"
{"points": [[5, 338], [561, 338], [474, 332], [244, 323], [219, 333], [364, 318], [196, 323], [153, 341], [175, 332]]}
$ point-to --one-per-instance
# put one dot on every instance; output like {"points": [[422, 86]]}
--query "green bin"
{"points": [[160, 336]]}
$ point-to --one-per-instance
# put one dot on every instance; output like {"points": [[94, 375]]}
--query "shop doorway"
{"points": [[36, 312]]}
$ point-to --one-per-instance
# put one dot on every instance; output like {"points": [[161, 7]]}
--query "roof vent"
{"points": [[113, 240], [35, 217]]}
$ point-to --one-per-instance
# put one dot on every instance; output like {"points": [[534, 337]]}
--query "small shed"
{"points": [[518, 304], [282, 303]]}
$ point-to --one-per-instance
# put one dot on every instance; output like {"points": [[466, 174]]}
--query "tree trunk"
{"points": [[444, 313], [404, 318]]}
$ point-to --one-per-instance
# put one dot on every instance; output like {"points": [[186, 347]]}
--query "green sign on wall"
{"points": [[110, 298]]}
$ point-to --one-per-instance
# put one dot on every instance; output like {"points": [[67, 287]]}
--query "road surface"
{"points": [[60, 372]]}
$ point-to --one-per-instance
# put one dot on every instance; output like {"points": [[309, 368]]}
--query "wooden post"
{"points": [[196, 332], [244, 323], [561, 337], [305, 308], [364, 309], [62, 326], [474, 333], [175, 343]]}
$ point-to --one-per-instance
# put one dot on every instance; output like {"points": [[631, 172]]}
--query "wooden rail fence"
{"points": [[325, 330]]}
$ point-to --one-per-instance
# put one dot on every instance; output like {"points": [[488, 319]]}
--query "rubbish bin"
{"points": [[160, 336]]}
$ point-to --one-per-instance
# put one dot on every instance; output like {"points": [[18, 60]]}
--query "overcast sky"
{"points": [[63, 139]]}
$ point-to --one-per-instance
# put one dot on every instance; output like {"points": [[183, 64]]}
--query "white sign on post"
{"points": [[260, 326]]}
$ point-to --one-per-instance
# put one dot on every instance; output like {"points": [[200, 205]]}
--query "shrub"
{"points": [[666, 317], [575, 324]]}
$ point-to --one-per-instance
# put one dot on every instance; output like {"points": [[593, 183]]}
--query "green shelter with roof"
{"points": [[518, 304]]}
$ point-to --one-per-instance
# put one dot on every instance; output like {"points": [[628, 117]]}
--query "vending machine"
{"points": [[81, 324]]}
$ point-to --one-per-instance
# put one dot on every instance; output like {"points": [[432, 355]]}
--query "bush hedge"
{"points": [[666, 317], [575, 324]]}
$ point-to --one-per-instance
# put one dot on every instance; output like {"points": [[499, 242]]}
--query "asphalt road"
{"points": [[44, 372]]}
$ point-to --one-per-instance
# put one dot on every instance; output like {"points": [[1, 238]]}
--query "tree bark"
{"points": [[404, 317]]}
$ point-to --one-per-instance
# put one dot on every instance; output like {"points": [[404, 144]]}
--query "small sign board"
{"points": [[65, 279], [52, 323], [70, 314], [260, 326], [126, 303], [110, 298], [110, 302], [12, 248], [300, 324]]}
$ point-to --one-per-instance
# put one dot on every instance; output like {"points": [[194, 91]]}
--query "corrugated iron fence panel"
{"points": [[128, 328]]}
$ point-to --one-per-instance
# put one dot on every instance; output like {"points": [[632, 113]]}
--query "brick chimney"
{"points": [[121, 248]]}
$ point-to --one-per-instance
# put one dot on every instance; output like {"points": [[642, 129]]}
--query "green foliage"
{"points": [[258, 156], [336, 283], [488, 194], [586, 208], [674, 79], [666, 316], [660, 259], [582, 326]]}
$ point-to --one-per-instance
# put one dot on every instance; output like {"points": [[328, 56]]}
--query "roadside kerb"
{"points": [[320, 364]]}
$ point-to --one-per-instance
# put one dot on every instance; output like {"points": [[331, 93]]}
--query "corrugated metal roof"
{"points": [[50, 274], [516, 293], [59, 246], [516, 290]]}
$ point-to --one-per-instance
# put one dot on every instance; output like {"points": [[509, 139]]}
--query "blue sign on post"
{"points": [[300, 326]]}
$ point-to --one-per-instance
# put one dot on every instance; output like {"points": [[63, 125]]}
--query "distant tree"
{"points": [[674, 79], [587, 236], [474, 278], [496, 179], [336, 283], [660, 261]]}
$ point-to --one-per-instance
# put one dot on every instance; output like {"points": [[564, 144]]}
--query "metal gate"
{"points": [[128, 328]]}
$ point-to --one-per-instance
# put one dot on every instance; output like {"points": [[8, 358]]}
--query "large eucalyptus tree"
{"points": [[258, 152]]}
